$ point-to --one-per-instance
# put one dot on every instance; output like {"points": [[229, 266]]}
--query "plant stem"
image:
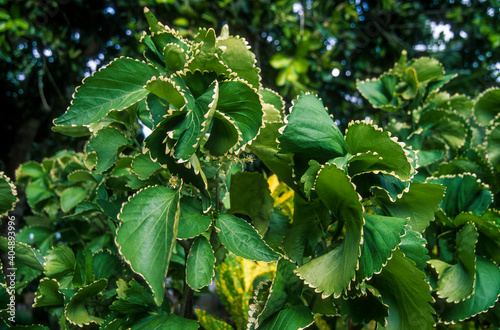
{"points": [[103, 228], [217, 193], [187, 294]]}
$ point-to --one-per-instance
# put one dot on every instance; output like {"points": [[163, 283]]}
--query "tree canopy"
{"points": [[48, 47]]}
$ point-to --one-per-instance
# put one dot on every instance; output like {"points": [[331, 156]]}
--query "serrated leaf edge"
{"points": [[83, 82], [187, 268], [120, 247], [13, 191], [79, 290]]}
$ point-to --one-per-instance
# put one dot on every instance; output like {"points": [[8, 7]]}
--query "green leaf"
{"points": [[442, 125], [304, 232], [293, 318], [310, 132], [73, 130], [152, 54], [208, 321], [71, 197], [151, 110], [224, 135], [309, 177], [364, 308], [237, 56], [493, 315], [413, 247], [4, 296], [24, 254], [363, 137], [239, 237], [380, 92], [381, 236], [460, 165], [278, 228], [493, 145], [116, 87], [37, 192], [154, 25], [76, 311], [250, 195], [241, 103], [158, 322], [37, 237], [48, 294], [464, 193], [428, 157], [332, 272], [200, 264], [167, 37], [8, 195], [418, 204], [207, 55], [265, 148], [175, 57], [428, 69], [275, 113], [84, 268], [166, 89], [405, 291], [456, 283], [105, 264], [147, 234], [462, 104], [192, 221], [29, 170], [411, 84], [59, 262], [144, 166], [300, 65], [81, 176], [487, 106], [106, 143], [157, 145], [196, 122], [487, 225], [486, 293], [132, 298], [280, 61]]}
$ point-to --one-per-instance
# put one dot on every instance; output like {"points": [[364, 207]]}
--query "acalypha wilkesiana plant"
{"points": [[393, 226]]}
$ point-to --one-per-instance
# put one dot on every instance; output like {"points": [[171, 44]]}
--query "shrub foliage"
{"points": [[392, 223]]}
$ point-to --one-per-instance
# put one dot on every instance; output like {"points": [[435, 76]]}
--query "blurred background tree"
{"points": [[47, 48]]}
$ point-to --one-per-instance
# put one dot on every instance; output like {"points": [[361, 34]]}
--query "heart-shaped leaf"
{"points": [[147, 234], [310, 132], [115, 87]]}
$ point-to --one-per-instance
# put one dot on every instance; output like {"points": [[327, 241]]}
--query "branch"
{"points": [[45, 105]]}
